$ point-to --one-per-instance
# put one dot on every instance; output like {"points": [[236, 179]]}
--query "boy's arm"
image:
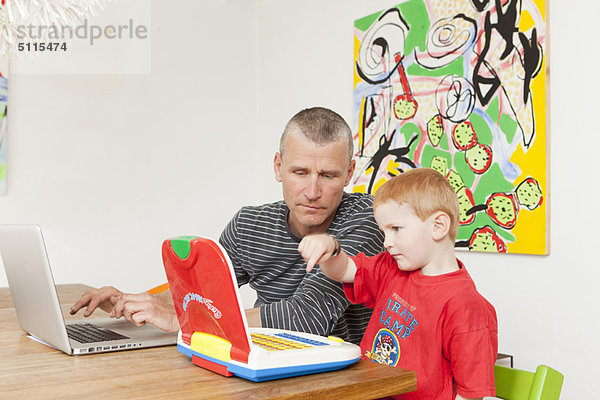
{"points": [[325, 250]]}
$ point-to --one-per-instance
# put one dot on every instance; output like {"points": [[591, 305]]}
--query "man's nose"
{"points": [[313, 188]]}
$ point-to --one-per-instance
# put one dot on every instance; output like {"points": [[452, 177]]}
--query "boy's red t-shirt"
{"points": [[438, 326]]}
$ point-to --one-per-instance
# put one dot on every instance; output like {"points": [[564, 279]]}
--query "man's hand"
{"points": [[105, 298], [144, 307], [135, 308], [316, 249]]}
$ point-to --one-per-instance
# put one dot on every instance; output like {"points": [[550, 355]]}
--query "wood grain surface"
{"points": [[30, 370]]}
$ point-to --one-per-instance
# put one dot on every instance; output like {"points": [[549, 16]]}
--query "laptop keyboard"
{"points": [[284, 341], [88, 333]]}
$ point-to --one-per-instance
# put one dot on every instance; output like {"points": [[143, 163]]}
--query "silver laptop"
{"points": [[27, 267]]}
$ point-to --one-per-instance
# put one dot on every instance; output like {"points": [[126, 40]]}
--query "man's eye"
{"points": [[395, 228], [300, 173]]}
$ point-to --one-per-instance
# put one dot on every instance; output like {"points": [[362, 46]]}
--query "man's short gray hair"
{"points": [[321, 126]]}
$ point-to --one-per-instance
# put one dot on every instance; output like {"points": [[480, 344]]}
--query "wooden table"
{"points": [[30, 370]]}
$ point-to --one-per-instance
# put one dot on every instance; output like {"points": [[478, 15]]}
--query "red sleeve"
{"points": [[471, 345], [367, 279]]}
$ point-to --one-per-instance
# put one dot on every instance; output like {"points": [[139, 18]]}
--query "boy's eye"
{"points": [[395, 228]]}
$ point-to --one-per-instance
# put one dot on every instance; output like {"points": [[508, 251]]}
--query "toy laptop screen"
{"points": [[214, 330]]}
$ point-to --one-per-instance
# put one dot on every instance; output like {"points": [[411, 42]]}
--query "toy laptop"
{"points": [[214, 331]]}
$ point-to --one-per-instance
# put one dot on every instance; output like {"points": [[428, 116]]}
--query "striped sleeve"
{"points": [[265, 255], [315, 307], [319, 304], [229, 242]]}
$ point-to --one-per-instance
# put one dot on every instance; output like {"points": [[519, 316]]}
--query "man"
{"points": [[314, 164]]}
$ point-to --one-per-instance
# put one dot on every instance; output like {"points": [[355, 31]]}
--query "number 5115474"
{"points": [[42, 46]]}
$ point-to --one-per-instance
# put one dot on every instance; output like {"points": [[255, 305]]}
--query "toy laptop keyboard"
{"points": [[214, 331]]}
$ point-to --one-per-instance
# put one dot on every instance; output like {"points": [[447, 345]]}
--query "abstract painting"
{"points": [[459, 86]]}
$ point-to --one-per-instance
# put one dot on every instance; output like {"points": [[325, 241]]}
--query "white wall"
{"points": [[546, 305], [112, 165]]}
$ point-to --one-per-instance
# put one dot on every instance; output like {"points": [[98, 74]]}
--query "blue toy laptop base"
{"points": [[268, 363]]}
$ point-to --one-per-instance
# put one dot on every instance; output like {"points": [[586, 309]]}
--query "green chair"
{"points": [[516, 384]]}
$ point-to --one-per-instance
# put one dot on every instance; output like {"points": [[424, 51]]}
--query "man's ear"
{"points": [[441, 225], [277, 166], [350, 172]]}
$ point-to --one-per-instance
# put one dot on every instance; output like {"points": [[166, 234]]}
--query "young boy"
{"points": [[428, 316]]}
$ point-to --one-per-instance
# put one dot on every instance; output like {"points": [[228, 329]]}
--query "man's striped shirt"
{"points": [[265, 255]]}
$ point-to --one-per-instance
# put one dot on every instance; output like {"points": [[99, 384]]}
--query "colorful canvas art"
{"points": [[459, 86]]}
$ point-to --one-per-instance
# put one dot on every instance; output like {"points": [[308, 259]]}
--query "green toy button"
{"points": [[181, 246]]}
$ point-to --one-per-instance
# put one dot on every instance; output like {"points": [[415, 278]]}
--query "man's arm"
{"points": [[141, 308], [253, 317], [230, 241], [318, 302], [315, 307]]}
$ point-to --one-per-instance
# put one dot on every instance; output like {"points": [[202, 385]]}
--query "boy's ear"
{"points": [[441, 225]]}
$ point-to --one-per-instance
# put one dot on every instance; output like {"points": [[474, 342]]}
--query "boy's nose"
{"points": [[387, 242]]}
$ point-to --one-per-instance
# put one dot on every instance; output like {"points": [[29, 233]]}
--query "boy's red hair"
{"points": [[426, 191]]}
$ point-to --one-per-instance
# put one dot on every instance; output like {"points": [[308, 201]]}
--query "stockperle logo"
{"points": [[90, 32]]}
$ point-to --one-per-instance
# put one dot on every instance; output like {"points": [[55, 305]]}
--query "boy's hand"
{"points": [[316, 249]]}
